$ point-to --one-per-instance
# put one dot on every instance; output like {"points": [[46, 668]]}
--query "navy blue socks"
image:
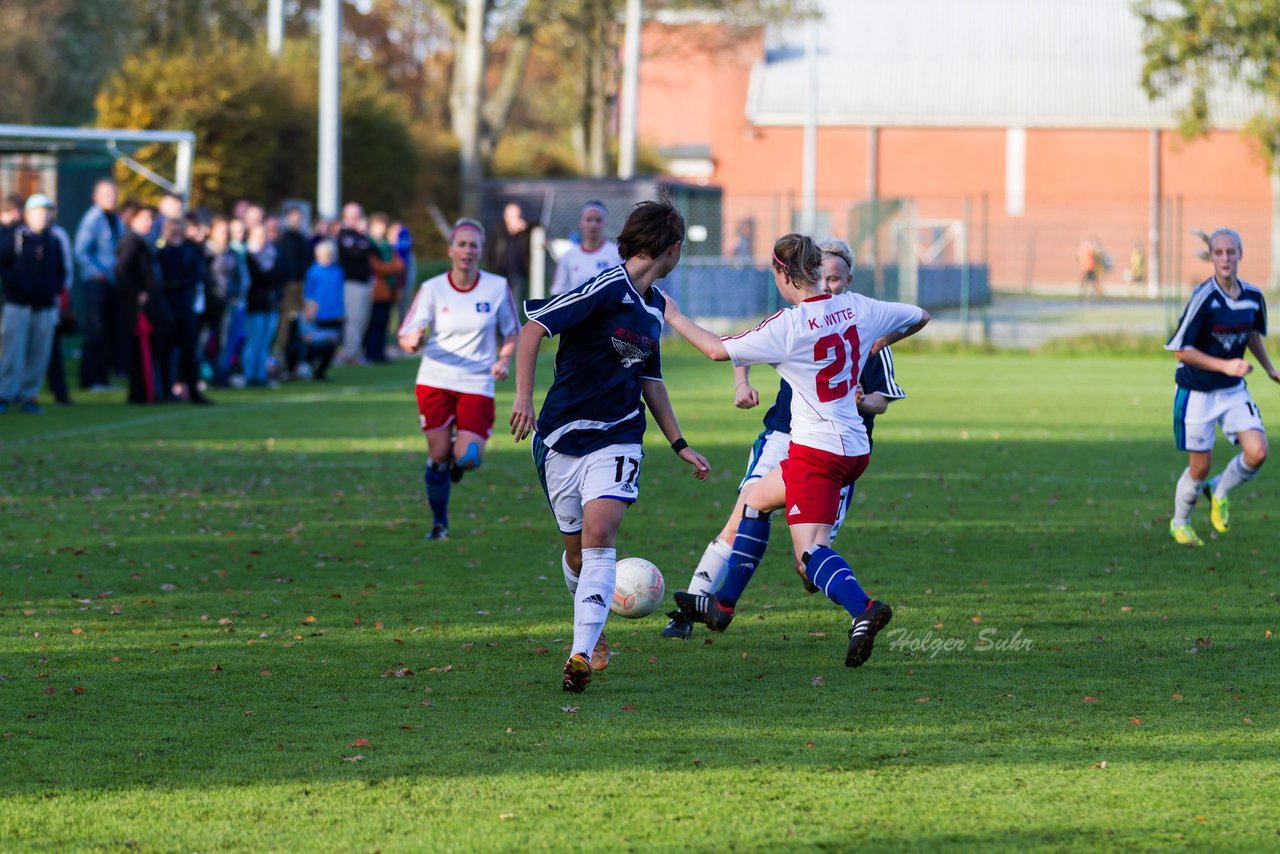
{"points": [[748, 550], [438, 484], [832, 575]]}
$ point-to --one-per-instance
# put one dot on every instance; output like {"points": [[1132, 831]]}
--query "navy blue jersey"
{"points": [[778, 418], [609, 338], [1218, 326], [877, 375]]}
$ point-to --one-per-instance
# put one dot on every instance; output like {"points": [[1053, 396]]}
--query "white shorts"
{"points": [[570, 482], [1196, 413], [768, 451]]}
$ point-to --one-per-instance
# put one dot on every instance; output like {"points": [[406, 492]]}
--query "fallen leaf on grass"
{"points": [[628, 708], [811, 744], [444, 669], [216, 667], [569, 710], [50, 691], [426, 702], [264, 672], [922, 699], [310, 618], [1136, 721], [77, 631], [1127, 609], [1204, 642], [1102, 764], [817, 634], [78, 690], [468, 647], [1249, 721], [503, 816], [1177, 696], [539, 650], [114, 658], [399, 674], [359, 742], [1091, 699], [357, 758], [817, 681]]}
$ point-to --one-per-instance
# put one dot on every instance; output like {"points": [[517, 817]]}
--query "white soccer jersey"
{"points": [[467, 328], [577, 265], [820, 347]]}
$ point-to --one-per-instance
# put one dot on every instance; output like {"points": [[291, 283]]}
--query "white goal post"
{"points": [[112, 141]]}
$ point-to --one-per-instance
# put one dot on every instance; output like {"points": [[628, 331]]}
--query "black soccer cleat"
{"points": [[438, 532], [679, 628], [862, 634], [577, 673], [456, 473], [705, 608]]}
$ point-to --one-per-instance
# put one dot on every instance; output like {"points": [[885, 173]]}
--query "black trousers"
{"points": [[100, 333]]}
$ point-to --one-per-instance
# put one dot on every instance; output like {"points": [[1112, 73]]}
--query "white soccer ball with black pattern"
{"points": [[638, 590]]}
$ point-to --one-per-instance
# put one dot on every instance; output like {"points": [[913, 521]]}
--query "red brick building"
{"points": [[1022, 119]]}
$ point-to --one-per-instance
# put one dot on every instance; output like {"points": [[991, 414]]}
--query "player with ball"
{"points": [[587, 438], [820, 346]]}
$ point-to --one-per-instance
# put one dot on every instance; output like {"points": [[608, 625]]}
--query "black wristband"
{"points": [[679, 445]]}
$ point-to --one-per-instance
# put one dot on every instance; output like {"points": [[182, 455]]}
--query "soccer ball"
{"points": [[639, 589]]}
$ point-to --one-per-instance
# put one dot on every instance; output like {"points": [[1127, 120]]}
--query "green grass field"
{"points": [[221, 630]]}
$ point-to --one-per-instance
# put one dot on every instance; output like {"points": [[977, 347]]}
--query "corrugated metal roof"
{"points": [[974, 63]]}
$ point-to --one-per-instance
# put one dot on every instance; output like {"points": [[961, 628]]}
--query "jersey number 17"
{"points": [[841, 349]]}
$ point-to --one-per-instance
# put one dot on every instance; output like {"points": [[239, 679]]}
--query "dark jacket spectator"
{"points": [[32, 267]]}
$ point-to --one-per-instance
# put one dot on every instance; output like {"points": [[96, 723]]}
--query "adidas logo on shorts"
{"points": [[594, 599], [794, 511]]}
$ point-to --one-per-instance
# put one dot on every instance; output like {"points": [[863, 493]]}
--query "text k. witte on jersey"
{"points": [[820, 348]]}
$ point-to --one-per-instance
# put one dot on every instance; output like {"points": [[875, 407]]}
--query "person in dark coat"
{"points": [[181, 276], [33, 269], [142, 304]]}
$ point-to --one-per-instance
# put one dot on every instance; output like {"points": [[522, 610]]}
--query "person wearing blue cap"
{"points": [[33, 270]]}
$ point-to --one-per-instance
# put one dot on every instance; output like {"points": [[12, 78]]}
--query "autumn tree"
{"points": [[1192, 46], [255, 124]]}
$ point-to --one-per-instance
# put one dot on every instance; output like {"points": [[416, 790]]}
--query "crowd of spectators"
{"points": [[175, 302]]}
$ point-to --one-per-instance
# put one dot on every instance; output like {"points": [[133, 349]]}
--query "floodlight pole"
{"points": [[809, 179], [329, 172], [630, 88], [275, 26], [1155, 226]]}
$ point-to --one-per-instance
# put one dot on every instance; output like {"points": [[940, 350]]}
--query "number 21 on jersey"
{"points": [[842, 350]]}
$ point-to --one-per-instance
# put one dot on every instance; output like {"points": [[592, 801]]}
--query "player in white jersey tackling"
{"points": [[591, 256], [1223, 317], [819, 346], [877, 388], [473, 326]]}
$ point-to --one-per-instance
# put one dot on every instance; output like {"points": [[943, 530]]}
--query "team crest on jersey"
{"points": [[633, 348], [1230, 340], [482, 307]]}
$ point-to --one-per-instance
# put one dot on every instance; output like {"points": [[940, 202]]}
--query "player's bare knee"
{"points": [[1254, 459]]}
